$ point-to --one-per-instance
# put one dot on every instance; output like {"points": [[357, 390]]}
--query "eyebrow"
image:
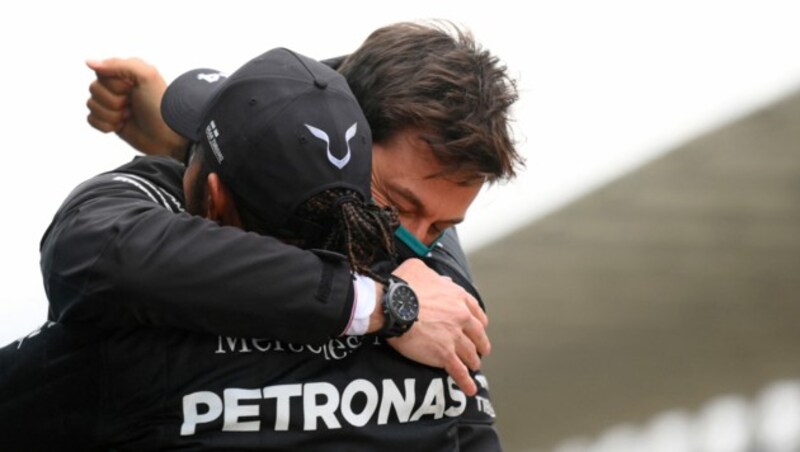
{"points": [[409, 196]]}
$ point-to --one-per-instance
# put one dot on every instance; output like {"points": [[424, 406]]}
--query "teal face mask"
{"points": [[413, 243]]}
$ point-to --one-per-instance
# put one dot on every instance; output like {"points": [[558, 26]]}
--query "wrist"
{"points": [[365, 302], [177, 147], [400, 307], [376, 319]]}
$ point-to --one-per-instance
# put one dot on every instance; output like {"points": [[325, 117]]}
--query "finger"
{"points": [[468, 353], [460, 375], [112, 86], [98, 66], [116, 67], [108, 97], [104, 119], [118, 75], [100, 125], [116, 85], [475, 309], [476, 333]]}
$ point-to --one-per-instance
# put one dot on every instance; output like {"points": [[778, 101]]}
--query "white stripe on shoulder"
{"points": [[178, 205], [151, 187], [161, 193], [128, 180]]}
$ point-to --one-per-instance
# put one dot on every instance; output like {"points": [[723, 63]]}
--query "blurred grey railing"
{"points": [[768, 423]]}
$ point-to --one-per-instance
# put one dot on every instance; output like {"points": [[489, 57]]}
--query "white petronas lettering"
{"points": [[457, 396], [393, 399], [235, 410], [359, 386], [282, 395], [324, 406], [192, 403], [325, 410], [433, 402]]}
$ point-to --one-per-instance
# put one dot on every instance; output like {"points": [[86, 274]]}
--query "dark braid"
{"points": [[361, 231]]}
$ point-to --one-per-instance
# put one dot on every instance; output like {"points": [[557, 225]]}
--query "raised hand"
{"points": [[126, 99]]}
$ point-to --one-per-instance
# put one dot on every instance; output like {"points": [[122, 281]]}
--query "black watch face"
{"points": [[405, 304]]}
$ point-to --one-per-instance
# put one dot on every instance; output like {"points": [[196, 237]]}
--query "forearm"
{"points": [[121, 260], [201, 277]]}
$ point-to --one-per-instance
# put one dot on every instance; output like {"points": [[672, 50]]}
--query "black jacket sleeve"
{"points": [[121, 252]]}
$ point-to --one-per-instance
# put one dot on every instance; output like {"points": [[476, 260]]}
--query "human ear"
{"points": [[221, 208]]}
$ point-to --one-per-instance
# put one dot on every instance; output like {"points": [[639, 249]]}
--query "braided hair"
{"points": [[360, 230]]}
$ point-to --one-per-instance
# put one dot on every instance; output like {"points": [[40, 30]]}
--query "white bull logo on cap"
{"points": [[211, 78], [348, 135]]}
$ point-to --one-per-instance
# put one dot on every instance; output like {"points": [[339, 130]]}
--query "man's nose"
{"points": [[421, 230]]}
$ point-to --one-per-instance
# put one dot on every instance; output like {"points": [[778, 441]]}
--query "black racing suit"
{"points": [[150, 341]]}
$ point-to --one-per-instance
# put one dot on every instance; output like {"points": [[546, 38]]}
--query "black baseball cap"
{"points": [[280, 129]]}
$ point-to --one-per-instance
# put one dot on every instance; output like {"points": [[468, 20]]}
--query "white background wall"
{"points": [[605, 86]]}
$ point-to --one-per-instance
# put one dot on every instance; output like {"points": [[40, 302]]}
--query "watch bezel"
{"points": [[397, 291], [396, 324]]}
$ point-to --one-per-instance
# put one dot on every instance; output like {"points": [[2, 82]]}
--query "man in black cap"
{"points": [[287, 152]]}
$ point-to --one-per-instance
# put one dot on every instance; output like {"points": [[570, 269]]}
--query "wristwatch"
{"points": [[400, 308]]}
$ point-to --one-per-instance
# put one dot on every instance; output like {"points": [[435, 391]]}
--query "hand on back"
{"points": [[451, 330]]}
